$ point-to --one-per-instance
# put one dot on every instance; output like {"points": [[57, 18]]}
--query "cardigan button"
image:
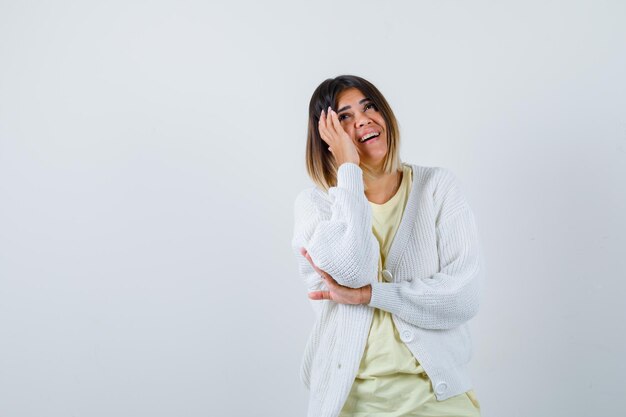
{"points": [[441, 387], [387, 275], [406, 336]]}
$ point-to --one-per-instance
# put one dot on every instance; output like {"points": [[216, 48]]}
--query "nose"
{"points": [[362, 120]]}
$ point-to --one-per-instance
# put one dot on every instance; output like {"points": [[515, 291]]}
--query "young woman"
{"points": [[390, 255]]}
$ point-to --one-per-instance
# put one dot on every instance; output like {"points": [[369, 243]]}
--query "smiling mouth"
{"points": [[368, 137]]}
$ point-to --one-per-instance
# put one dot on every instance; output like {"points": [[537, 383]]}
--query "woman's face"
{"points": [[364, 124]]}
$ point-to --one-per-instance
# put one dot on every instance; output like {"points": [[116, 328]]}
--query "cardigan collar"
{"points": [[407, 224]]}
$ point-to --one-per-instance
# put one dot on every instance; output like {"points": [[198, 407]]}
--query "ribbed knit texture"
{"points": [[434, 259]]}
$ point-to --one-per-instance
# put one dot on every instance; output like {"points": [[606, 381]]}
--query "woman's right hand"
{"points": [[339, 143]]}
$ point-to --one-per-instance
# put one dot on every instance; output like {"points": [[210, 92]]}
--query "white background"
{"points": [[150, 153]]}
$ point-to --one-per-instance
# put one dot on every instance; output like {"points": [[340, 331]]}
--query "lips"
{"points": [[369, 136]]}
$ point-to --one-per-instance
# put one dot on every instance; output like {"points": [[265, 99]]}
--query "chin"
{"points": [[376, 158], [373, 162]]}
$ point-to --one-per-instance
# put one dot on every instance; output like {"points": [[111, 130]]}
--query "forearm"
{"points": [[338, 235], [427, 308], [450, 296]]}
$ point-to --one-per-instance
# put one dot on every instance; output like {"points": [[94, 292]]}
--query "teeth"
{"points": [[368, 136]]}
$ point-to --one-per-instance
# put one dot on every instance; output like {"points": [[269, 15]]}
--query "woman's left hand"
{"points": [[337, 292]]}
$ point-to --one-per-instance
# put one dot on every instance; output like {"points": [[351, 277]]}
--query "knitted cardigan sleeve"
{"points": [[338, 236], [450, 297]]}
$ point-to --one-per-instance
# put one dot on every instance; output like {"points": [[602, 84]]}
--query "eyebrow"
{"points": [[348, 107]]}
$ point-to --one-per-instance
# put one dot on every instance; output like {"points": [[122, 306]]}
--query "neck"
{"points": [[381, 187]]}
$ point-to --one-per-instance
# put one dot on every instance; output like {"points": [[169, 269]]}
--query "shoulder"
{"points": [[309, 201], [444, 187], [311, 196], [437, 177]]}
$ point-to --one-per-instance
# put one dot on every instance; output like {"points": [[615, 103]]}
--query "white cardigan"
{"points": [[434, 263]]}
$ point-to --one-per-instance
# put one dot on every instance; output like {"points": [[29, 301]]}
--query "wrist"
{"points": [[366, 294], [347, 161]]}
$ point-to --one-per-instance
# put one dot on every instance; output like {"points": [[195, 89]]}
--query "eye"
{"points": [[369, 106], [342, 116]]}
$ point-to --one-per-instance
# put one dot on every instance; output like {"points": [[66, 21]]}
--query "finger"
{"points": [[308, 258], [320, 295], [330, 281], [306, 255], [338, 132], [322, 127], [328, 121], [336, 123], [330, 125], [322, 121], [324, 275]]}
